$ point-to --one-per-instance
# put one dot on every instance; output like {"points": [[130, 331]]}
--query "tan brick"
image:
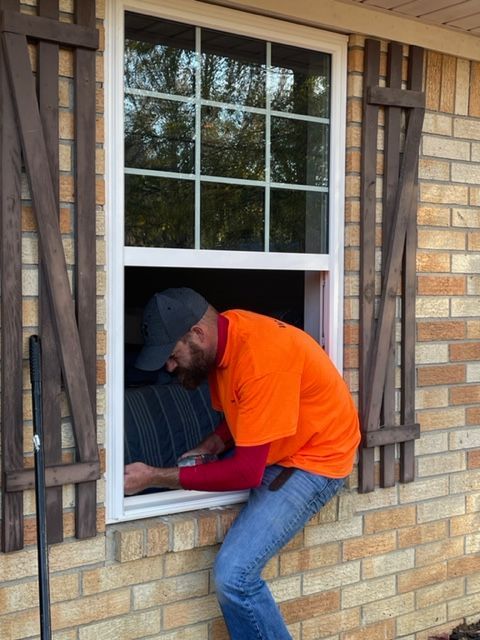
{"points": [[473, 241], [441, 330], [431, 353], [136, 625], [431, 397], [20, 596], [441, 239], [473, 329], [466, 128], [444, 194], [465, 263], [129, 543], [90, 609], [431, 443], [465, 395], [439, 593], [429, 169], [378, 631], [207, 529], [329, 624], [355, 60], [319, 534], [388, 608], [167, 590], [421, 577], [443, 147], [393, 562], [462, 87], [441, 285], [449, 417], [190, 611], [286, 588], [422, 534], [422, 619], [428, 554], [79, 553], [115, 576], [463, 566], [465, 218], [369, 545], [20, 624], [432, 307], [474, 199], [473, 286], [441, 508], [331, 577], [308, 607], [464, 307], [473, 459], [157, 539], [463, 607], [440, 464], [437, 124], [465, 351], [389, 519], [436, 262], [433, 216], [188, 561], [445, 374], [354, 110], [447, 90], [464, 524], [301, 560], [468, 173], [368, 591]]}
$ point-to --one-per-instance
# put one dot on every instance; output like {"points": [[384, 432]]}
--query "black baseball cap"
{"points": [[168, 316]]}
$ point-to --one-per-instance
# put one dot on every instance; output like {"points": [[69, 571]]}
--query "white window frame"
{"points": [[323, 272]]}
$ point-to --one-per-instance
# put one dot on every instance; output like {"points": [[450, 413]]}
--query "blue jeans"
{"points": [[266, 523]]}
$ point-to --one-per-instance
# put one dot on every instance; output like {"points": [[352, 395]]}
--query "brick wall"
{"points": [[399, 563]]}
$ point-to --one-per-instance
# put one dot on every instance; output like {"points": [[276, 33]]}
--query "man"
{"points": [[291, 423]]}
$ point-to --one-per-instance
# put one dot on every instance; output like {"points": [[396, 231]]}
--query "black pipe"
{"points": [[40, 498]]}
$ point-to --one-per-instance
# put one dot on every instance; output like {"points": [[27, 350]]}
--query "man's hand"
{"points": [[212, 444], [139, 476]]}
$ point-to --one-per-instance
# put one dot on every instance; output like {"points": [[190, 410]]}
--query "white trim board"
{"points": [[355, 19]]}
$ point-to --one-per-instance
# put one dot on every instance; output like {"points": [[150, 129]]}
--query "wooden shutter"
{"points": [[29, 134], [400, 194]]}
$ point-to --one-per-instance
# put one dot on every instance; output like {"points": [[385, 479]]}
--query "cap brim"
{"points": [[153, 357]]}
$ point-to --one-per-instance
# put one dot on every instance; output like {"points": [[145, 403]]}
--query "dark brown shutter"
{"points": [[29, 131], [400, 194]]}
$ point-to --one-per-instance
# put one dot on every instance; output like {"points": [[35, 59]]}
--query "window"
{"points": [[226, 158]]}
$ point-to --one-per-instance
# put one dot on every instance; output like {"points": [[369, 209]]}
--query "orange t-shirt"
{"points": [[276, 385]]}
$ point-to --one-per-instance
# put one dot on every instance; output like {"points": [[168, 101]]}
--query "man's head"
{"points": [[179, 333]]}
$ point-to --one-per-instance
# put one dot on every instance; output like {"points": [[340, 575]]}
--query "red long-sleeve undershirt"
{"points": [[243, 470]]}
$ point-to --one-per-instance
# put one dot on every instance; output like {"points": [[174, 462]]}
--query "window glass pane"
{"points": [[233, 143], [232, 217], [233, 69], [159, 212], [299, 81], [298, 221], [159, 55], [159, 134], [299, 152]]}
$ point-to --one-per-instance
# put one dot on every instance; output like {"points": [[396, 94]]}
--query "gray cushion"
{"points": [[162, 421]]}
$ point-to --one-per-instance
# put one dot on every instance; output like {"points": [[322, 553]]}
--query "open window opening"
{"points": [[226, 160]]}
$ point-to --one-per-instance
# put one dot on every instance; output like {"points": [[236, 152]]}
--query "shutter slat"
{"points": [[11, 307]]}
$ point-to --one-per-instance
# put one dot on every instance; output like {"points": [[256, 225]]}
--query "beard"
{"points": [[197, 372]]}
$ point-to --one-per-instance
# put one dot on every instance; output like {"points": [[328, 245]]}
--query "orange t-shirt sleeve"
{"points": [[268, 408]]}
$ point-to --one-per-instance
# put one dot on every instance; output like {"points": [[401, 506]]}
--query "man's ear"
{"points": [[198, 333]]}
